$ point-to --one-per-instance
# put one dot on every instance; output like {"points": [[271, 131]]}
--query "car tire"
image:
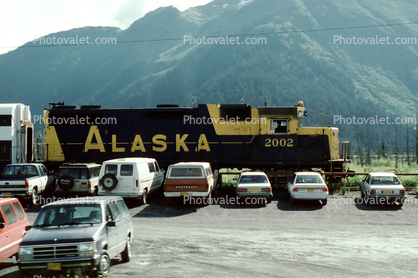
{"points": [[144, 197], [68, 184], [126, 254], [109, 182], [324, 202], [269, 200], [103, 267]]}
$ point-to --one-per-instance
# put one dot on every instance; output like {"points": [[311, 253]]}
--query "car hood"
{"points": [[64, 234]]}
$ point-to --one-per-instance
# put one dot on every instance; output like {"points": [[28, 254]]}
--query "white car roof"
{"points": [[129, 160], [188, 164], [382, 174], [307, 173], [253, 174]]}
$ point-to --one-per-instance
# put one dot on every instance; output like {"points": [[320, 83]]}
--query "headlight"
{"points": [[86, 249], [25, 253]]}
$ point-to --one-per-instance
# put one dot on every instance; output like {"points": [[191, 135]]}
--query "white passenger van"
{"points": [[130, 178]]}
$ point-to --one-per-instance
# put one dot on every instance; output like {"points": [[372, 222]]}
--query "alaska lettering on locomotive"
{"points": [[224, 135]]}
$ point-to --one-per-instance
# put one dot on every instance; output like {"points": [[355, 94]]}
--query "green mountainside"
{"points": [[151, 64]]}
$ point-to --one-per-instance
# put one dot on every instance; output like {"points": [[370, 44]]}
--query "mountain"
{"points": [[303, 57]]}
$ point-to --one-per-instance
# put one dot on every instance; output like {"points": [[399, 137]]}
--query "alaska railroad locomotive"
{"points": [[227, 136]]}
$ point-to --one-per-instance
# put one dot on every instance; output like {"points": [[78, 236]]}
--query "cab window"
{"points": [[279, 126], [151, 167], [114, 210]]}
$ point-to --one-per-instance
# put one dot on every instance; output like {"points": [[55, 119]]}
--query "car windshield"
{"points": [[195, 172], [309, 179], [253, 179], [68, 215], [20, 170], [385, 180]]}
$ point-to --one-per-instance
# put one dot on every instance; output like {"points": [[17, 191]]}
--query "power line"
{"points": [[234, 35]]}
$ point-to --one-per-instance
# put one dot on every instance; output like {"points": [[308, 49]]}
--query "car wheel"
{"points": [[269, 200], [324, 202], [144, 196], [33, 198], [103, 267], [109, 182], [126, 254]]}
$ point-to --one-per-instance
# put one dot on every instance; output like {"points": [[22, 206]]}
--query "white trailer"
{"points": [[16, 134]]}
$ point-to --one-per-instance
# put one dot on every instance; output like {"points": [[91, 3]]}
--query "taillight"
{"points": [[373, 191], [165, 186], [27, 183], [137, 183], [402, 192], [266, 190], [325, 189], [207, 186], [100, 182], [56, 184], [241, 190], [295, 189], [89, 184]]}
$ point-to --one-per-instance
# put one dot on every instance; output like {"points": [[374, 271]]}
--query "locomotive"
{"points": [[227, 136]]}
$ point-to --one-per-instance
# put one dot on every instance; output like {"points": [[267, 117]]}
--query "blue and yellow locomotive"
{"points": [[227, 136]]}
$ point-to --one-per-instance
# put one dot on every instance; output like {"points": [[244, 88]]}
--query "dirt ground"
{"points": [[345, 238]]}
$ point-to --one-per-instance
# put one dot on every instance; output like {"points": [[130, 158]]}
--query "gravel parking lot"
{"points": [[345, 238]]}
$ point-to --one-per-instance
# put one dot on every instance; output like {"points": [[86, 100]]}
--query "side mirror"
{"points": [[111, 223], [2, 225]]}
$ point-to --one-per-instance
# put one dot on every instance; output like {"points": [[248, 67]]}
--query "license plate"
{"points": [[183, 194], [310, 190], [387, 192], [6, 194], [108, 191], [83, 186], [54, 266], [254, 191]]}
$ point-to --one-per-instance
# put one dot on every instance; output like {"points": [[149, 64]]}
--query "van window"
{"points": [[157, 168], [151, 167], [126, 170], [186, 172], [44, 170], [111, 169], [19, 211], [9, 214]]}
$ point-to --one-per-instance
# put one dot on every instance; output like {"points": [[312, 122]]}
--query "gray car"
{"points": [[77, 236]]}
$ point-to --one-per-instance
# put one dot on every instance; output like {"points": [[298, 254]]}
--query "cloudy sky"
{"points": [[23, 20]]}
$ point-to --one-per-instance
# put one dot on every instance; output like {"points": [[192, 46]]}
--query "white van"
{"points": [[130, 178]]}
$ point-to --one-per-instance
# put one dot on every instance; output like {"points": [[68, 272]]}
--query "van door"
{"points": [[154, 176], [126, 177]]}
